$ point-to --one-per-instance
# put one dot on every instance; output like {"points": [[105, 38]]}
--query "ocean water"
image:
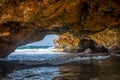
{"points": [[44, 63]]}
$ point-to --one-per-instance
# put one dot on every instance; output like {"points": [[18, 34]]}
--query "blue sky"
{"points": [[47, 41]]}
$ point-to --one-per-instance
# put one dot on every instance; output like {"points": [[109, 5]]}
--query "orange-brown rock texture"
{"points": [[77, 22]]}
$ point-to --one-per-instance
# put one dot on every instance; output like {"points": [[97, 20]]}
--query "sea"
{"points": [[46, 63]]}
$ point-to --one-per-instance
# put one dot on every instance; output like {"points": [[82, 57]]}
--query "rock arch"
{"points": [[25, 21]]}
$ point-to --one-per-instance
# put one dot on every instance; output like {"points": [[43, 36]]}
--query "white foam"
{"points": [[35, 74], [101, 57], [37, 51], [59, 61], [49, 54]]}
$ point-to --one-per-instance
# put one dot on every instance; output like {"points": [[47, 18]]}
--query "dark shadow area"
{"points": [[95, 48], [91, 70]]}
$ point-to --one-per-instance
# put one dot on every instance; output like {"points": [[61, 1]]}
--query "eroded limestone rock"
{"points": [[25, 21], [70, 43]]}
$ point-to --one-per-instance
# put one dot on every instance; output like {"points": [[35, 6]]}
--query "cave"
{"points": [[23, 22], [82, 26]]}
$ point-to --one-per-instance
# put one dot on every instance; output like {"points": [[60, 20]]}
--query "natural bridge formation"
{"points": [[80, 24]]}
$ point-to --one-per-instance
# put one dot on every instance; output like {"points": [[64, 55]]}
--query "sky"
{"points": [[47, 41]]}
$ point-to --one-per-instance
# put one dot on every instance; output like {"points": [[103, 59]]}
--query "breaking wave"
{"points": [[43, 63], [47, 56]]}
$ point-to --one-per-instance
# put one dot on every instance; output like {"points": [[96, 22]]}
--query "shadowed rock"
{"points": [[26, 21]]}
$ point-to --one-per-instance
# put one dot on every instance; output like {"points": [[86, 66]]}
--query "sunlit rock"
{"points": [[26, 21]]}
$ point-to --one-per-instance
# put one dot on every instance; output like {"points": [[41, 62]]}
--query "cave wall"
{"points": [[67, 42], [25, 21], [107, 40]]}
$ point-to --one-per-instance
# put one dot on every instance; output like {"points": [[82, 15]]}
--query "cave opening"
{"points": [[48, 40], [34, 51]]}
